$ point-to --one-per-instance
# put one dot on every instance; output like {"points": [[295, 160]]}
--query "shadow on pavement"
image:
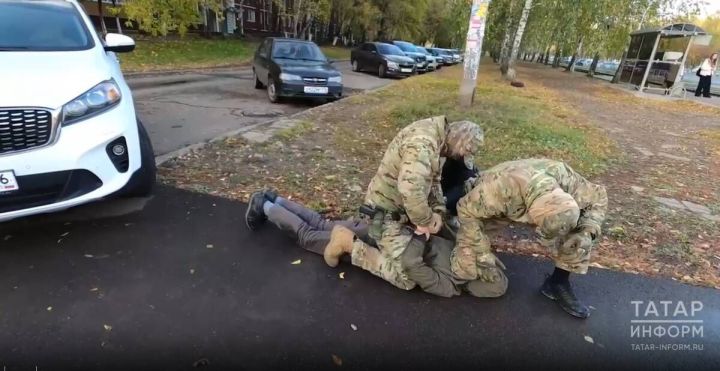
{"points": [[184, 285]]}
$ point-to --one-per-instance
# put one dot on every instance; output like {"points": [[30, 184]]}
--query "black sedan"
{"points": [[386, 59], [295, 68]]}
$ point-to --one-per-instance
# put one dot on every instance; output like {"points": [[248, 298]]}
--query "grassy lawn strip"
{"points": [[336, 53], [192, 52]]}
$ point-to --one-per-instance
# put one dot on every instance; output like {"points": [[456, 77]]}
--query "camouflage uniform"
{"points": [[546, 193], [408, 182]]}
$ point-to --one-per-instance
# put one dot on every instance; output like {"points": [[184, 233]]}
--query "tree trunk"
{"points": [[545, 56], [556, 60], [571, 66], [593, 65], [505, 48], [510, 75], [616, 78], [102, 17]]}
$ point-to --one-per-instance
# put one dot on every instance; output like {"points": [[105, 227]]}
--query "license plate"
{"points": [[406, 70], [419, 64], [316, 89], [8, 182]]}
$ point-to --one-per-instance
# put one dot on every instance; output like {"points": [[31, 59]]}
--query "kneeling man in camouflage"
{"points": [[567, 210]]}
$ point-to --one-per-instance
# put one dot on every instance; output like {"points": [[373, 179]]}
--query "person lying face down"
{"points": [[426, 262]]}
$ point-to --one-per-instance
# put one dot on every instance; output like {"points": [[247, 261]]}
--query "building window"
{"points": [[251, 16]]}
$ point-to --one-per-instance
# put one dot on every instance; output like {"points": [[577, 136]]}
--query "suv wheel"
{"points": [[258, 84], [355, 66], [381, 71], [272, 91], [142, 182]]}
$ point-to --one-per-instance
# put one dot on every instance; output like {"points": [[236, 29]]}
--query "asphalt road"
{"points": [[184, 285], [184, 109]]}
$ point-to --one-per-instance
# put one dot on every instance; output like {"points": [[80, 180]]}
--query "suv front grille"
{"points": [[22, 129]]}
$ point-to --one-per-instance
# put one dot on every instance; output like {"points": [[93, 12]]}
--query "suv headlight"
{"points": [[289, 77], [337, 79], [96, 100], [392, 65]]}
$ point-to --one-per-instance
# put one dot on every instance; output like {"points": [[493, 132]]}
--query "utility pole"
{"points": [[473, 51]]}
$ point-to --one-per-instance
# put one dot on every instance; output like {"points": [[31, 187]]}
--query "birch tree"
{"points": [[510, 73]]}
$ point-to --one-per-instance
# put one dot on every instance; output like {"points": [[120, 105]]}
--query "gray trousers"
{"points": [[311, 230], [425, 262]]}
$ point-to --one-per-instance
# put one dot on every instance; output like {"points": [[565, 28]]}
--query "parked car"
{"points": [[457, 53], [411, 51], [68, 130], [434, 63], [455, 56], [385, 59], [607, 68], [445, 55], [295, 68], [583, 65]]}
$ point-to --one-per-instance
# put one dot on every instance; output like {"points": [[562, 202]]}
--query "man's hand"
{"points": [[488, 267], [579, 240], [434, 227]]}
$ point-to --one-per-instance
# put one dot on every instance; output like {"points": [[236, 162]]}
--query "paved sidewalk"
{"points": [[184, 285]]}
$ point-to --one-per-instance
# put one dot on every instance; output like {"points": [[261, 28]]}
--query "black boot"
{"points": [[557, 287], [255, 214], [271, 195]]}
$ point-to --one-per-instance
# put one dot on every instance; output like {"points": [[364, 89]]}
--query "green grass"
{"points": [[190, 52], [337, 53], [518, 123]]}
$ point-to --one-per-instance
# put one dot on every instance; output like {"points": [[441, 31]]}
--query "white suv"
{"points": [[68, 130]]}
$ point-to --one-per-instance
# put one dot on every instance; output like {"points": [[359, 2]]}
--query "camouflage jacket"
{"points": [[408, 179], [508, 189]]}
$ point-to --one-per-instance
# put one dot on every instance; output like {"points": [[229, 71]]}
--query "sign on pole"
{"points": [[473, 51]]}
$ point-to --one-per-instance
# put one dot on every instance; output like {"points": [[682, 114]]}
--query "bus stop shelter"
{"points": [[657, 56]]}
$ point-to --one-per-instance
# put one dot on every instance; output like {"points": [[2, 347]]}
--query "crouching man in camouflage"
{"points": [[405, 195], [567, 209]]}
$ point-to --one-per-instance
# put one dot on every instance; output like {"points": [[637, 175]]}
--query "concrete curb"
{"points": [[159, 160]]}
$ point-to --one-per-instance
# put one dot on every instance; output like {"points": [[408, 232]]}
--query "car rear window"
{"points": [[42, 26]]}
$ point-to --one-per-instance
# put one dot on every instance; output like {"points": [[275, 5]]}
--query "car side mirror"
{"points": [[374, 52], [119, 43]]}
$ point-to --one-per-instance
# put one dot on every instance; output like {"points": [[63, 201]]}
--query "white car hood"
{"points": [[48, 79]]}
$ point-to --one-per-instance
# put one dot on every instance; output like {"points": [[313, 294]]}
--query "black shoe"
{"points": [[564, 295], [271, 195], [255, 214]]}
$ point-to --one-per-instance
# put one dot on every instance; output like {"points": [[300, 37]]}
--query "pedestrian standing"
{"points": [[705, 72]]}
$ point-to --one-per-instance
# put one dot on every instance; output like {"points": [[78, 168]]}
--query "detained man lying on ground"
{"points": [[426, 262]]}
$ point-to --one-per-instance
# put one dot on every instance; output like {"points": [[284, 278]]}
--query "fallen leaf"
{"points": [[589, 339], [93, 289], [65, 234], [352, 326], [192, 271], [7, 238], [209, 246], [107, 327], [342, 275], [337, 360], [296, 262], [49, 309], [88, 255]]}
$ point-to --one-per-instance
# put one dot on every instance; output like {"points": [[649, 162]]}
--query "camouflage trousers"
{"points": [[385, 261], [575, 260]]}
